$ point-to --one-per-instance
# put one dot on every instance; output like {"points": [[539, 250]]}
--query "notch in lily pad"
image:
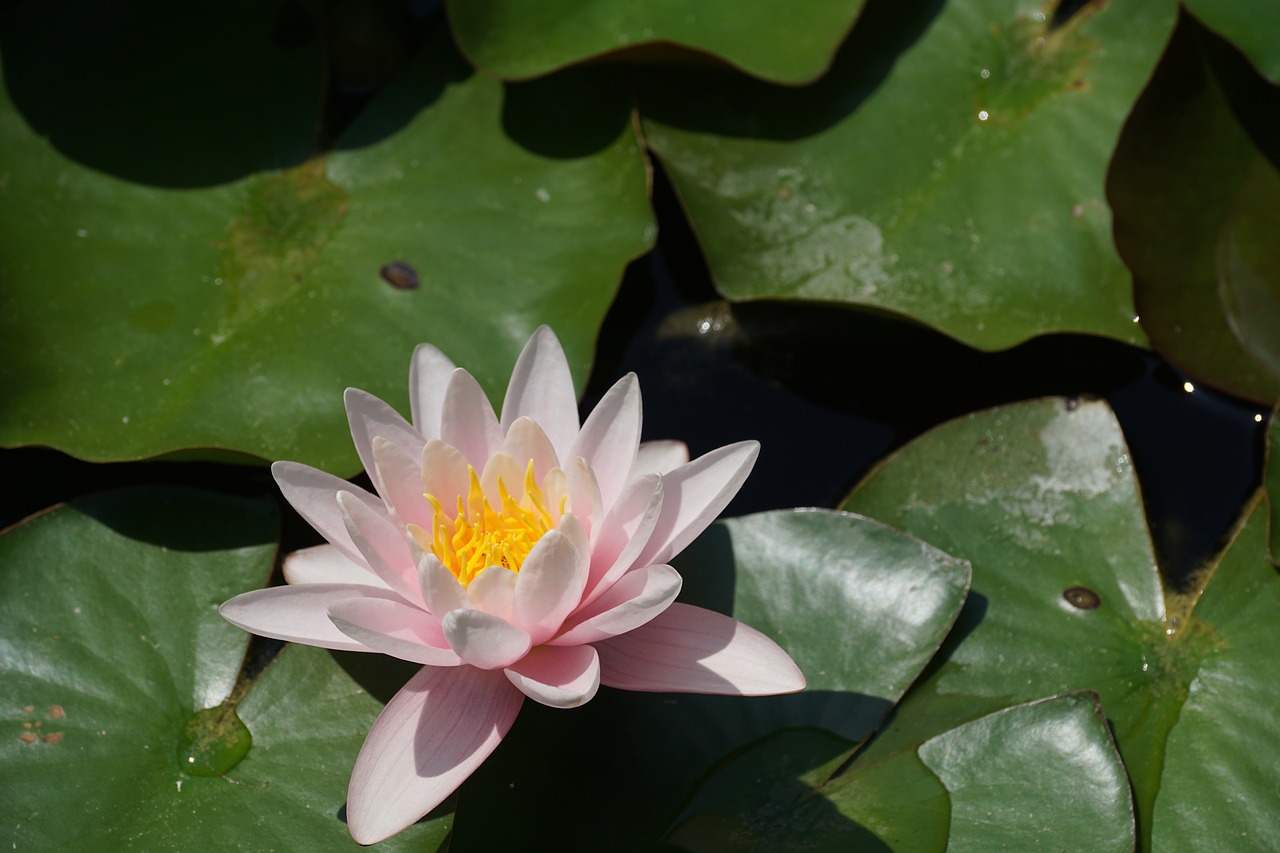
{"points": [[213, 741]]}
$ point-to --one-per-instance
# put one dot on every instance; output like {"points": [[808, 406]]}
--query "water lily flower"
{"points": [[517, 557]]}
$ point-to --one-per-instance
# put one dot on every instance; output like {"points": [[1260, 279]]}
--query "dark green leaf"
{"points": [[1252, 27], [950, 167]]}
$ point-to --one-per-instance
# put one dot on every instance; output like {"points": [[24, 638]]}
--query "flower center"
{"points": [[479, 535]]}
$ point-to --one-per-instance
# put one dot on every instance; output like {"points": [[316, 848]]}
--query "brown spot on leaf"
{"points": [[27, 709], [400, 275], [1082, 598], [57, 712], [52, 737], [27, 737]]}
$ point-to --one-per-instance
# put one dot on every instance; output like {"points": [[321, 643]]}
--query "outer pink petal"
{"points": [[541, 388], [394, 628], [633, 601], [401, 476], [314, 494], [326, 564], [369, 418], [299, 614], [610, 436], [584, 496], [484, 640], [548, 586], [694, 494], [431, 736], [468, 422], [429, 374], [690, 650], [560, 677], [383, 546], [625, 532], [659, 457]]}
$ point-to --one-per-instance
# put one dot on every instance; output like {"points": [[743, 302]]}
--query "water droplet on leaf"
{"points": [[212, 742]]}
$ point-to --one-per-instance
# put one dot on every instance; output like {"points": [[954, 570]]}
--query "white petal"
{"points": [[631, 602], [327, 564], [541, 388], [468, 422], [444, 475], [429, 374], [401, 477], [694, 494], [493, 590], [548, 586], [584, 496], [383, 546], [441, 591], [369, 418], [314, 494], [501, 467], [659, 457], [432, 735], [625, 533], [484, 640], [526, 441], [562, 677], [299, 614], [610, 436], [394, 628], [687, 649]]}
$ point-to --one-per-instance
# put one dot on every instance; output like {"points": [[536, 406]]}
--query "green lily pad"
{"points": [[861, 607], [950, 169], [1041, 498], [1202, 250], [136, 320], [1044, 773], [114, 646], [785, 43], [1252, 27]]}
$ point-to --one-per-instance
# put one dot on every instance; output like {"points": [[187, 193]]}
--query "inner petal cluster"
{"points": [[479, 535]]}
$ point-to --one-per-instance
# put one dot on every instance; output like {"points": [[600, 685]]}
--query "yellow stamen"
{"points": [[480, 536]]}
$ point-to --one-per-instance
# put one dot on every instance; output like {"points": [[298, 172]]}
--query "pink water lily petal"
{"points": [[444, 475], [573, 530], [314, 494], [694, 494], [493, 591], [584, 496], [326, 564], [382, 544], [299, 614], [468, 422], [562, 677], [633, 601], [526, 441], [429, 374], [432, 735], [500, 467], [369, 418], [401, 479], [610, 436], [441, 591], [394, 628], [548, 586], [484, 640], [625, 533], [659, 457], [687, 649], [541, 388]]}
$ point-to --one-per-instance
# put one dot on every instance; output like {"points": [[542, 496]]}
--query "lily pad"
{"points": [[1206, 267], [1041, 498], [949, 167], [1044, 773], [137, 320], [861, 607], [785, 43], [113, 646], [1272, 483], [1252, 27]]}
